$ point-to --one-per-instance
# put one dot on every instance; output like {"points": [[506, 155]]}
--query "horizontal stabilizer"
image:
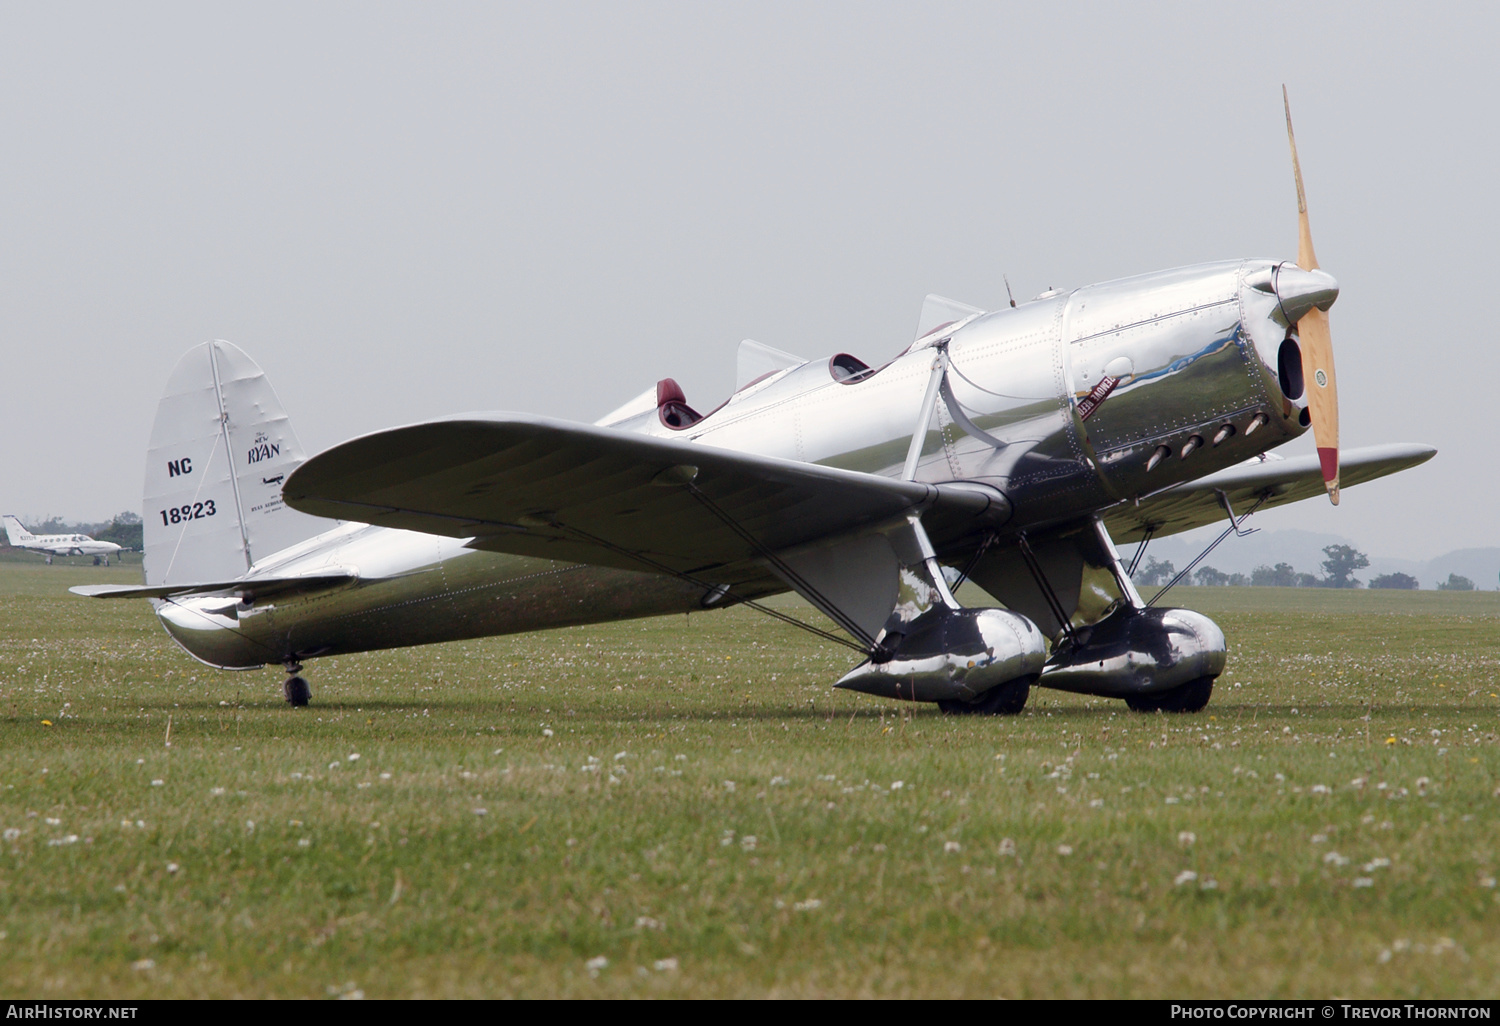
{"points": [[559, 490], [251, 589], [1196, 503]]}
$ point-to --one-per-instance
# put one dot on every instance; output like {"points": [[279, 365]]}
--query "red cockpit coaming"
{"points": [[849, 370], [674, 412], [672, 407]]}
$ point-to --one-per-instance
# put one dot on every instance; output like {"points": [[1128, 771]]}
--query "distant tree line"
{"points": [[1342, 562]]}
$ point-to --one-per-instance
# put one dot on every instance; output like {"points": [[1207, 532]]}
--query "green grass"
{"points": [[1033, 856]]}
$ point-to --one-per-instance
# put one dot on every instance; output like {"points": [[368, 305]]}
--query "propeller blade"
{"points": [[1316, 341], [1322, 394], [1306, 258]]}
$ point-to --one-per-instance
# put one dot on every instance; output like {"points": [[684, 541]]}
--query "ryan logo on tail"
{"points": [[1014, 448]]}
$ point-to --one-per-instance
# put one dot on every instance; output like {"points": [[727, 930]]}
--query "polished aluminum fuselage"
{"points": [[1081, 389]]}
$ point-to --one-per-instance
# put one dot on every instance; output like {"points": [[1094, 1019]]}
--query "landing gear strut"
{"points": [[295, 688]]}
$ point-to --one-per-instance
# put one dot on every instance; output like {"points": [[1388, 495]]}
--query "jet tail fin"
{"points": [[220, 449], [17, 534]]}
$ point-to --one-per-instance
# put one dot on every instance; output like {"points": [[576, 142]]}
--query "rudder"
{"points": [[221, 447]]}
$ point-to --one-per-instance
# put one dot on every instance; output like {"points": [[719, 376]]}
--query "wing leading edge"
{"points": [[535, 486], [1197, 503]]}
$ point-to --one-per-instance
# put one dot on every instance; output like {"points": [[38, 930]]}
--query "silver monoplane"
{"points": [[1013, 448]]}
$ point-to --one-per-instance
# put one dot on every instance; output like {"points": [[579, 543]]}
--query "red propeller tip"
{"points": [[1328, 458]]}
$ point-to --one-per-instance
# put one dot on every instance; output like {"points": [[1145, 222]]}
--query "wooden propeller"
{"points": [[1316, 342]]}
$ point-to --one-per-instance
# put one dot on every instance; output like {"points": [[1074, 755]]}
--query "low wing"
{"points": [[1196, 503], [250, 588], [577, 493]]}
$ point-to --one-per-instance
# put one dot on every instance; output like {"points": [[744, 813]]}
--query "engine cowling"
{"points": [[951, 655], [1138, 652]]}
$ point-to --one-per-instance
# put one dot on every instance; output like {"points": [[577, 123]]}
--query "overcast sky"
{"points": [[403, 211]]}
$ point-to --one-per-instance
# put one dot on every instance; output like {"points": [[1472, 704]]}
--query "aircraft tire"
{"points": [[1006, 699], [1189, 698], [298, 692]]}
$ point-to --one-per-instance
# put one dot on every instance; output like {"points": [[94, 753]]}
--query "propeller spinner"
{"points": [[1312, 332]]}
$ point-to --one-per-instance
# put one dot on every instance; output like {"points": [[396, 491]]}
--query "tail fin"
{"points": [[220, 449], [15, 532]]}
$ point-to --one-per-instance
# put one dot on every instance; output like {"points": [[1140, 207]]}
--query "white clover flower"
{"points": [[748, 842], [1187, 838], [1333, 858], [1363, 881], [897, 785], [157, 783], [172, 867], [665, 965], [1065, 849], [952, 847], [12, 834], [1187, 876], [353, 757], [596, 963], [547, 732], [810, 905], [1007, 847]]}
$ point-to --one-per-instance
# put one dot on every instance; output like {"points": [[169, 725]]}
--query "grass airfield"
{"points": [[683, 807]]}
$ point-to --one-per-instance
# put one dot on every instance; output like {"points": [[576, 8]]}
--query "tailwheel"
{"points": [[1189, 698], [296, 689], [1001, 700]]}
